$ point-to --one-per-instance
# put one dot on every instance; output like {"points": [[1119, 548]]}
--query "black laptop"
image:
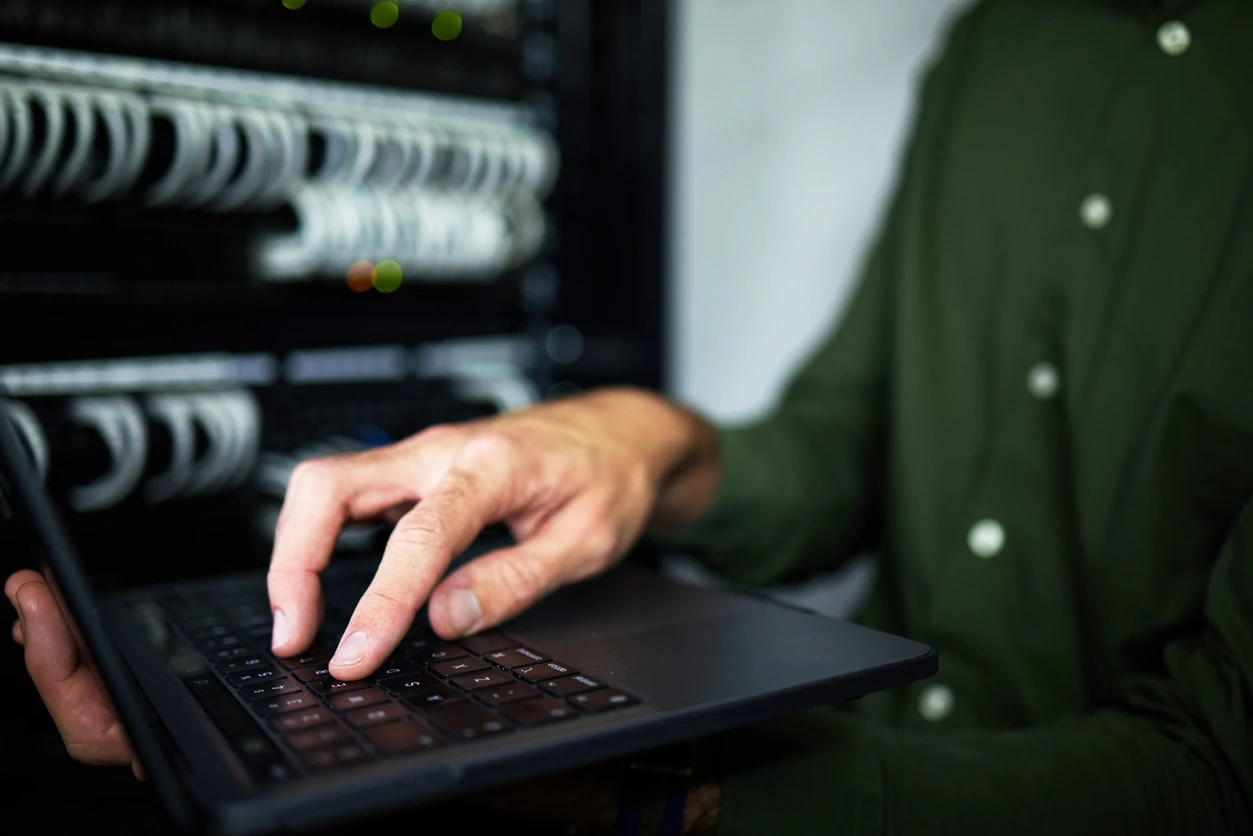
{"points": [[238, 741]]}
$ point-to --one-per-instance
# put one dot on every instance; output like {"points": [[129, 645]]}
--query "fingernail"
{"points": [[463, 610], [280, 630], [352, 649]]}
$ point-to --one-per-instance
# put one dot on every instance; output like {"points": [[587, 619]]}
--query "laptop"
{"points": [[238, 741]]}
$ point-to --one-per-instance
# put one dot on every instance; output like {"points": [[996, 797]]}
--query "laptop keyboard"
{"points": [[280, 712]]}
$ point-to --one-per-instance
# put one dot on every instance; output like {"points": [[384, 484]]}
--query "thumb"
{"points": [[501, 584]]}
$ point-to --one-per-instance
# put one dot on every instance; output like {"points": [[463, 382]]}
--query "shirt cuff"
{"points": [[718, 536]]}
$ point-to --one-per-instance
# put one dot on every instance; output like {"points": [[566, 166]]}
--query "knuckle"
{"points": [[519, 578], [393, 596], [436, 434], [600, 538], [639, 481], [312, 474], [457, 488], [279, 577], [490, 446], [422, 531]]}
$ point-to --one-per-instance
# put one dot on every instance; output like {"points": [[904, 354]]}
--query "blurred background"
{"points": [[241, 233]]}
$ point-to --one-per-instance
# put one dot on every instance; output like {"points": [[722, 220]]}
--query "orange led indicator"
{"points": [[361, 276]]}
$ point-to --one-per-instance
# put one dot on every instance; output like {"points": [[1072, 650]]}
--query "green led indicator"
{"points": [[387, 276], [385, 15], [446, 25]]}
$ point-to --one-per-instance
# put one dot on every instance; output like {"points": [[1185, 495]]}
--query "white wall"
{"points": [[788, 118]]}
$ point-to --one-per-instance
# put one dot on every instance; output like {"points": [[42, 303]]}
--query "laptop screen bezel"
{"points": [[77, 593]]}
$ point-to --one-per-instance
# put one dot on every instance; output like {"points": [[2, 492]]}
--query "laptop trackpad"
{"points": [[725, 658], [628, 599]]}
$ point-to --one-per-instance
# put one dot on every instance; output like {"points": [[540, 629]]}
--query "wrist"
{"points": [[682, 450], [670, 437]]}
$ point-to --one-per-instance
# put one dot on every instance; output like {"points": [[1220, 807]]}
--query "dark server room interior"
{"points": [[210, 273], [634, 417]]}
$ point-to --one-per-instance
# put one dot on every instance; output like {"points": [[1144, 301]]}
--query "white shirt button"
{"points": [[1174, 38], [1095, 210], [986, 538], [935, 702], [1043, 380]]}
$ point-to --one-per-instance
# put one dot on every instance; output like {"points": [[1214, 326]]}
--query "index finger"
{"points": [[322, 496], [420, 548]]}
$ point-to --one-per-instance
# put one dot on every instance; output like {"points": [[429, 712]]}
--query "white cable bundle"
{"points": [[450, 188], [452, 236]]}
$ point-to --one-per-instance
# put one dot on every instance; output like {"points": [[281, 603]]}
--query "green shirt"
{"points": [[1038, 410]]}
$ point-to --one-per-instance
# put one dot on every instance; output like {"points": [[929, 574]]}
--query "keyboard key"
{"points": [[356, 699], [487, 642], [253, 675], [266, 690], [376, 715], [200, 621], [538, 712], [569, 685], [518, 657], [260, 757], [242, 664], [259, 620], [439, 653], [436, 698], [303, 741], [231, 654], [220, 630], [333, 686], [397, 666], [312, 673], [602, 700], [546, 670], [458, 667], [415, 642], [287, 702], [397, 738], [337, 756], [318, 658], [468, 721], [298, 720], [481, 679], [224, 642], [506, 694], [407, 686]]}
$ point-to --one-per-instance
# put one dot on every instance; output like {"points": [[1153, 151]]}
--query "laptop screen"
{"points": [[33, 527]]}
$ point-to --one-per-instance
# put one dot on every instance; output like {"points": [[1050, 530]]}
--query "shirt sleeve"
{"points": [[1173, 754], [800, 489], [796, 488]]}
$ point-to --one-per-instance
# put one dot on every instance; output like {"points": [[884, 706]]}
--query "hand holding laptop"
{"points": [[68, 685]]}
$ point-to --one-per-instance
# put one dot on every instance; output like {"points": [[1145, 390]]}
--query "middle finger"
{"points": [[471, 496]]}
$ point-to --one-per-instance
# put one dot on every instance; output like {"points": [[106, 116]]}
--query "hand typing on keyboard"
{"points": [[576, 481]]}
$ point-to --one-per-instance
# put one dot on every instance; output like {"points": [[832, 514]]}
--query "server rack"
{"points": [[175, 342]]}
